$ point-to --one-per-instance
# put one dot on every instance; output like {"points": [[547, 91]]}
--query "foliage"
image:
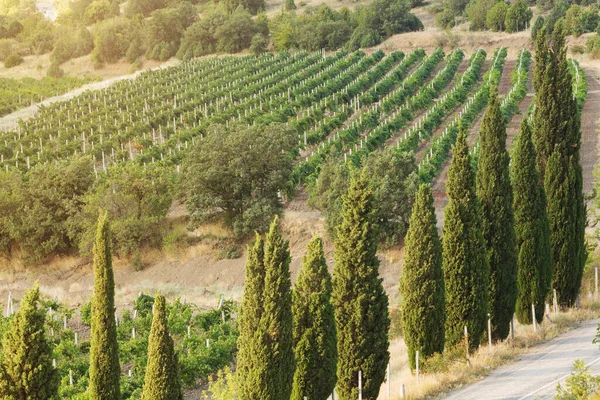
{"points": [[13, 60], [477, 11], [55, 71], [361, 304], [495, 194], [314, 335], [162, 380], [110, 40], [237, 174], [592, 46], [496, 16], [290, 5], [537, 26], [532, 229], [162, 32], [72, 43], [26, 366], [105, 370], [579, 385], [136, 199], [557, 135], [258, 44], [466, 268], [518, 17], [422, 282]]}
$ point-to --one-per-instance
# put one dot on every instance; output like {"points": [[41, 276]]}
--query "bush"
{"points": [[592, 46], [579, 385], [445, 19], [13, 60], [7, 47], [518, 16], [577, 49], [259, 44], [496, 16], [230, 252], [54, 71]]}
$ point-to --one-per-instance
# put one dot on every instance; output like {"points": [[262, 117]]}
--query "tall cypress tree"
{"points": [[361, 304], [315, 340], [276, 321], [26, 368], [105, 371], [532, 228], [466, 269], [162, 372], [495, 194], [422, 281], [557, 124], [251, 358]]}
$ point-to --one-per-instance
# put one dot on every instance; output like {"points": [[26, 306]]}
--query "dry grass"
{"points": [[455, 372]]}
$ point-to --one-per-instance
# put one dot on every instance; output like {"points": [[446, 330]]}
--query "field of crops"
{"points": [[341, 105]]}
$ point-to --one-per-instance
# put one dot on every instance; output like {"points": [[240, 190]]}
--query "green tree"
{"points": [[498, 224], [238, 174], [276, 320], [251, 359], [104, 353], [557, 134], [162, 375], [532, 229], [466, 269], [518, 17], [290, 5], [361, 304], [315, 341], [422, 282], [476, 13], [259, 44], [496, 16], [537, 27], [26, 366]]}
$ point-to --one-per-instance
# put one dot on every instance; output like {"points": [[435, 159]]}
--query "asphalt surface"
{"points": [[538, 371]]}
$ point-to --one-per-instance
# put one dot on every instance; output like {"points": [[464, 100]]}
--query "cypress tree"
{"points": [[315, 341], [496, 197], [532, 229], [251, 358], [422, 281], [26, 368], [361, 304], [162, 372], [557, 130], [276, 321], [104, 354], [540, 57], [466, 269]]}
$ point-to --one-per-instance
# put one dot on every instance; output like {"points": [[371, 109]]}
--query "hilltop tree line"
{"points": [[513, 232], [161, 29]]}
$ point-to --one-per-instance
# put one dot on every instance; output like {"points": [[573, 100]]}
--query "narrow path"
{"points": [[537, 373], [9, 122]]}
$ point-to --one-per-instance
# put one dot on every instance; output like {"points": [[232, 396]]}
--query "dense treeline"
{"points": [[161, 29]]}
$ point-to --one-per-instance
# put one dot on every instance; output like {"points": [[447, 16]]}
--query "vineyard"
{"points": [[206, 340], [340, 106]]}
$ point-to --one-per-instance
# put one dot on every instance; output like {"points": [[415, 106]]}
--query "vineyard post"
{"points": [[64, 322], [596, 281], [54, 363], [402, 391], [533, 317], [359, 384], [388, 381], [512, 329], [467, 340], [490, 332], [555, 302], [76, 340], [417, 362], [71, 377]]}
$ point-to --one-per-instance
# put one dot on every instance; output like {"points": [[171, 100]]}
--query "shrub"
{"points": [[496, 16], [259, 44], [54, 71], [230, 252], [7, 47], [13, 60]]}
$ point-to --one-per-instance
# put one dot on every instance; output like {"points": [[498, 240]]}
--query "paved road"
{"points": [[537, 372]]}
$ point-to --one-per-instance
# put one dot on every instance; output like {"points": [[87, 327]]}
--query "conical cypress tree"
{"points": [[557, 130], [561, 185], [495, 194], [422, 281], [251, 359], [26, 368], [532, 229], [540, 57], [162, 372], [361, 304], [315, 340], [104, 354], [276, 321], [466, 269]]}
